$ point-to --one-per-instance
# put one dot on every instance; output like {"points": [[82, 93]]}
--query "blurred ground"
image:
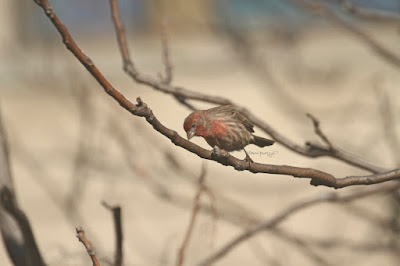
{"points": [[62, 127]]}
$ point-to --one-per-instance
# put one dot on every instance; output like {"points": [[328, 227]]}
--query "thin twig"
{"points": [[142, 110], [84, 152], [116, 211], [299, 244], [119, 28], [80, 234], [271, 223], [388, 122], [368, 13], [195, 211], [214, 213], [167, 79], [319, 132], [321, 8], [182, 95]]}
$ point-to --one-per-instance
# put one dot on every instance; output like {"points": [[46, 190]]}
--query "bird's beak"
{"points": [[190, 134]]}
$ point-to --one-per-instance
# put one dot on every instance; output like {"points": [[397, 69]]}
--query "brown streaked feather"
{"points": [[230, 111]]}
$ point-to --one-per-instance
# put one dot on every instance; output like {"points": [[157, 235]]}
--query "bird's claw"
{"points": [[248, 159]]}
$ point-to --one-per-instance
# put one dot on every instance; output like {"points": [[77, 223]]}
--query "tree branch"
{"points": [[271, 223], [182, 95], [321, 8], [319, 132], [388, 121], [167, 79], [141, 109], [116, 211], [15, 228], [80, 234], [367, 13], [8, 201], [195, 211]]}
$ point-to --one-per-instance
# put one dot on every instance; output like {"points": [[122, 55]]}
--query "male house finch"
{"points": [[225, 127]]}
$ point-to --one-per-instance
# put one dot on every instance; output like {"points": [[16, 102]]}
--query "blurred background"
{"points": [[71, 146]]}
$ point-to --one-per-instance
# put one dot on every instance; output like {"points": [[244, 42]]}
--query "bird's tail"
{"points": [[262, 142]]}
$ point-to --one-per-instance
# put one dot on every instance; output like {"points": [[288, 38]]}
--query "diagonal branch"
{"points": [[141, 109], [182, 95], [319, 132], [322, 9], [274, 221], [367, 13]]}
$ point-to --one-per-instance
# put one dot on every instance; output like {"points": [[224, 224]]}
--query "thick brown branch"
{"points": [[80, 234], [182, 95], [141, 109], [271, 223]]}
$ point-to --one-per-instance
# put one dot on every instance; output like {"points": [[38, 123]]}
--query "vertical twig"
{"points": [[167, 79], [389, 122], [195, 210], [116, 211], [122, 43]]}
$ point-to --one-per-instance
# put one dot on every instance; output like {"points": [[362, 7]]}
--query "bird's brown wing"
{"points": [[243, 119], [233, 112]]}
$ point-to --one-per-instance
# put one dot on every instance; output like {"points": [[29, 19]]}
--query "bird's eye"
{"points": [[193, 125]]}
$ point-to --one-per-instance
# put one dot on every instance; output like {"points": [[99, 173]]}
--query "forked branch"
{"points": [[183, 95], [141, 109]]}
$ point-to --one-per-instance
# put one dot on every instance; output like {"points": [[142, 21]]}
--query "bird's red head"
{"points": [[193, 124]]}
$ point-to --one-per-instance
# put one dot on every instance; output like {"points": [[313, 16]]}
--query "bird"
{"points": [[224, 127]]}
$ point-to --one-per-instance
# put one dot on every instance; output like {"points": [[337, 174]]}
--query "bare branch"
{"points": [[370, 14], [167, 79], [389, 124], [80, 234], [301, 245], [116, 211], [15, 228], [119, 28], [10, 231], [271, 223], [141, 109], [195, 211], [324, 10], [9, 202], [182, 95], [319, 132]]}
